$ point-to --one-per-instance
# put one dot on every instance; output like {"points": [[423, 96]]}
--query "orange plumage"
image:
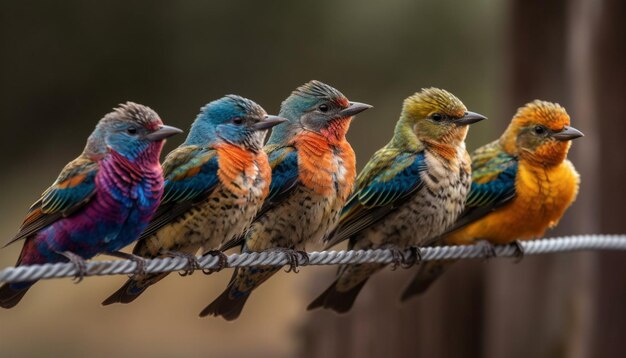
{"points": [[546, 183], [234, 160], [320, 167]]}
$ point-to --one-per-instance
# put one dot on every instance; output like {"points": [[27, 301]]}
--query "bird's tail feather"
{"points": [[341, 300], [132, 289], [428, 273], [11, 294], [244, 280], [338, 301], [226, 305]]}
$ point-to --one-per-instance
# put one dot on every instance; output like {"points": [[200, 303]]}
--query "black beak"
{"points": [[162, 133], [469, 118], [268, 122], [568, 133], [355, 108]]}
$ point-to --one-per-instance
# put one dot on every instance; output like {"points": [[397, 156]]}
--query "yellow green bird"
{"points": [[410, 191]]}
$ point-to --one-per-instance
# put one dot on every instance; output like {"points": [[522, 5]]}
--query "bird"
{"points": [[313, 172], [101, 201], [215, 182], [522, 185], [409, 192]]}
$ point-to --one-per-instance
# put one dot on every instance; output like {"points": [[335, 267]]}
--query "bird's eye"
{"points": [[539, 130], [132, 130], [437, 117], [237, 120], [323, 108]]}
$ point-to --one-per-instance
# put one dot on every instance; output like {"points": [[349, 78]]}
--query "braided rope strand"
{"points": [[277, 258]]}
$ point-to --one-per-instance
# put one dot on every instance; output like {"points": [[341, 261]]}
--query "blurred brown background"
{"points": [[65, 64]]}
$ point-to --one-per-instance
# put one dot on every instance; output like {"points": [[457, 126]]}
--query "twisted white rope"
{"points": [[276, 258]]}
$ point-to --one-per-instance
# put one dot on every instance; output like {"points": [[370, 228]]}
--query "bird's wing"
{"points": [[190, 174], [493, 184], [72, 189], [389, 178], [284, 163]]}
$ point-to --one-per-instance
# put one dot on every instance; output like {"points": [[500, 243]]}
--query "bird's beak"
{"points": [[469, 118], [568, 133], [162, 133], [354, 109], [268, 122]]}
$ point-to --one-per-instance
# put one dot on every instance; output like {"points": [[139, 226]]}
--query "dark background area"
{"points": [[63, 65]]}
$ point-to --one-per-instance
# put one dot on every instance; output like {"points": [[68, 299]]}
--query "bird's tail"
{"points": [[226, 305], [133, 288], [340, 296], [11, 293], [230, 303], [338, 301], [428, 273]]}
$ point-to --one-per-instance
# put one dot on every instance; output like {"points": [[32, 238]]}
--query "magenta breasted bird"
{"points": [[408, 193], [215, 182], [313, 171], [101, 201]]}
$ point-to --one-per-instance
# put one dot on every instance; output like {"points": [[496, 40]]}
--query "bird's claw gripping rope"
{"points": [[488, 249], [414, 258], [304, 259], [295, 258], [221, 263], [79, 264], [519, 250], [140, 262], [192, 261], [397, 257]]}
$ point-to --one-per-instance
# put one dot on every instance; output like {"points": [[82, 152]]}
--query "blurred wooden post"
{"points": [[609, 83]]}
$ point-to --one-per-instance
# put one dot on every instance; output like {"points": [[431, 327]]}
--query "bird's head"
{"points": [[317, 107], [233, 119], [433, 115], [541, 132], [132, 130]]}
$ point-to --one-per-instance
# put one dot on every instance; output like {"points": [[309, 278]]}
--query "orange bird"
{"points": [[522, 184]]}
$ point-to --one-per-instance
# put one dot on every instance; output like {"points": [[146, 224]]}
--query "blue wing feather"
{"points": [[284, 164], [486, 195], [503, 186], [190, 177], [381, 189]]}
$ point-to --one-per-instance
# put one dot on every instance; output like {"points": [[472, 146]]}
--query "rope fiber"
{"points": [[277, 258]]}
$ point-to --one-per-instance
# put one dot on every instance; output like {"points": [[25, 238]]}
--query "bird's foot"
{"points": [[192, 261], [79, 264], [295, 258], [304, 258], [520, 251], [140, 262], [222, 261], [487, 248], [397, 257], [415, 257]]}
